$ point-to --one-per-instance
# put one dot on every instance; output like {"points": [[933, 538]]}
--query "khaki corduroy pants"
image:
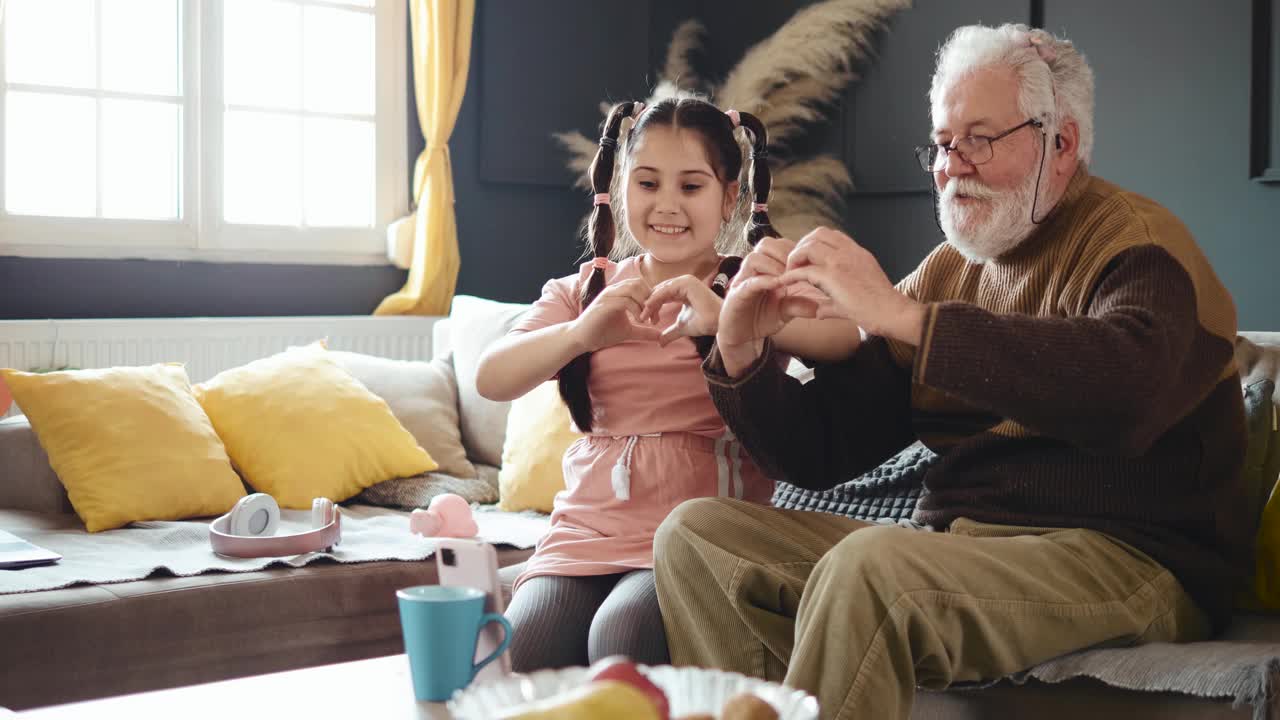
{"points": [[861, 614]]}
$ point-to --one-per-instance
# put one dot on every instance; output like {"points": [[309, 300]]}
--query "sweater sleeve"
{"points": [[1111, 381], [850, 417]]}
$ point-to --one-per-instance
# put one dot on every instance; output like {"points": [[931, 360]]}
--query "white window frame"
{"points": [[200, 234]]}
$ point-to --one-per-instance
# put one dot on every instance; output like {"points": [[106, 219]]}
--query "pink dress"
{"points": [[657, 442]]}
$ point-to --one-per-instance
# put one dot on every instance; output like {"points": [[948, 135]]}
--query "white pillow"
{"points": [[475, 323]]}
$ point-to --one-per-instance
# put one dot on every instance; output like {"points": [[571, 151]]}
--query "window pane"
{"points": [[339, 61], [50, 42], [140, 156], [339, 172], [140, 46], [261, 55], [49, 166], [262, 169], [354, 3]]}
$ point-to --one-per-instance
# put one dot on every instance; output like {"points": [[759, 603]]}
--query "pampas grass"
{"points": [[790, 81], [686, 40]]}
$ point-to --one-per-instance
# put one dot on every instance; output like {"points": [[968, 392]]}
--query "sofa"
{"points": [[100, 640], [93, 641]]}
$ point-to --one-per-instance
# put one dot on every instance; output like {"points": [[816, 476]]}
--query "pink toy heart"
{"points": [[448, 515]]}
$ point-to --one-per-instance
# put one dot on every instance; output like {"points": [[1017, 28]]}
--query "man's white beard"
{"points": [[1007, 217]]}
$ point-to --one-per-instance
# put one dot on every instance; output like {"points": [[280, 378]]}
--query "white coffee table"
{"points": [[375, 688]]}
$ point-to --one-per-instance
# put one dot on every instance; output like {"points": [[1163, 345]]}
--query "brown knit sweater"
{"points": [[1086, 379]]}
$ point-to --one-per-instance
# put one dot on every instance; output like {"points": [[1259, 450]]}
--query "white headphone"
{"points": [[249, 529]]}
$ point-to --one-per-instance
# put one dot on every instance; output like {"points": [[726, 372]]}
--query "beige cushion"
{"points": [[475, 324], [424, 398], [27, 482]]}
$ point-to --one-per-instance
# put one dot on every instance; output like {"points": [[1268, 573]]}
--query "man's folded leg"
{"points": [[730, 575]]}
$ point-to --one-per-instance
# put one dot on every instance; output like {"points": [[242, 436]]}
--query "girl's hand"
{"points": [[700, 314], [612, 318]]}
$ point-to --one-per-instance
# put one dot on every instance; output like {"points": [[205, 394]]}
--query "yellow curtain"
{"points": [[441, 33]]}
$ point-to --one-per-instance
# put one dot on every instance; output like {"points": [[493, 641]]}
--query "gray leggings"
{"points": [[561, 621]]}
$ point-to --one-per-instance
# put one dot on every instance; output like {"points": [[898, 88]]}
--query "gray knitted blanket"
{"points": [[1243, 665], [889, 491]]}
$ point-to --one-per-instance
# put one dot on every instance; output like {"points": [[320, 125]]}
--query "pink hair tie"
{"points": [[760, 207], [734, 117], [600, 199], [600, 263]]}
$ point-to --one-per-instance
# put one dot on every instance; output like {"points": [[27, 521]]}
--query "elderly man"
{"points": [[1067, 352]]}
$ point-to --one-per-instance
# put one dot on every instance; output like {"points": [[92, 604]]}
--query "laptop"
{"points": [[16, 553]]}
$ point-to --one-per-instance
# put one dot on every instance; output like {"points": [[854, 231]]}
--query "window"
{"points": [[253, 130]]}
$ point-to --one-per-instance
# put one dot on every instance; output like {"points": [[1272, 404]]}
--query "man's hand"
{"points": [[855, 285], [758, 305]]}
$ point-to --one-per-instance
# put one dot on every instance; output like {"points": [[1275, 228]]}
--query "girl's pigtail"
{"points": [[600, 233], [729, 267], [759, 181]]}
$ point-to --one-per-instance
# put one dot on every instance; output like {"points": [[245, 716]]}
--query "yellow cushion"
{"points": [[299, 427], [538, 433], [128, 443], [1266, 579], [6, 398]]}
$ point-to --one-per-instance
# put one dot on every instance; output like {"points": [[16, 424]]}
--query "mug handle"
{"points": [[502, 647]]}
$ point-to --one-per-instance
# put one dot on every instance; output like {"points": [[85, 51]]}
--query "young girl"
{"points": [[654, 438]]}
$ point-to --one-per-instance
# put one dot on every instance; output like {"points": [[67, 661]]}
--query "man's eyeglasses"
{"points": [[973, 149]]}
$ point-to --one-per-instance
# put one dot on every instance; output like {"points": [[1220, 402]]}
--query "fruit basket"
{"points": [[689, 691]]}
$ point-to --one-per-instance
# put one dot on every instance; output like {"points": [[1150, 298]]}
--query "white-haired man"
{"points": [[1068, 354]]}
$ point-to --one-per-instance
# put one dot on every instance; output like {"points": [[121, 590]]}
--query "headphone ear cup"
{"points": [[254, 515], [236, 518], [321, 512]]}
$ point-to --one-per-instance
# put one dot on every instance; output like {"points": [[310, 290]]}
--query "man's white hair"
{"points": [[1055, 82]]}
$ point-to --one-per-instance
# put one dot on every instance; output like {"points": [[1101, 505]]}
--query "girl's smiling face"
{"points": [[675, 201]]}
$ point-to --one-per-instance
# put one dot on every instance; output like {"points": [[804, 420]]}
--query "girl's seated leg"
{"points": [[550, 617], [630, 623]]}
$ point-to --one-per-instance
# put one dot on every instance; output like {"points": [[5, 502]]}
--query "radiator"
{"points": [[206, 346]]}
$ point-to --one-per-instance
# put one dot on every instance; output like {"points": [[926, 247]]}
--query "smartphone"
{"points": [[466, 562]]}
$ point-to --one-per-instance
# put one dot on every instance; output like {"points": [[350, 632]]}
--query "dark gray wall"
{"points": [[1172, 123], [1173, 79]]}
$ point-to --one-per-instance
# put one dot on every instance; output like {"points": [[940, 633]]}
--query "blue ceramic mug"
{"points": [[440, 626]]}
